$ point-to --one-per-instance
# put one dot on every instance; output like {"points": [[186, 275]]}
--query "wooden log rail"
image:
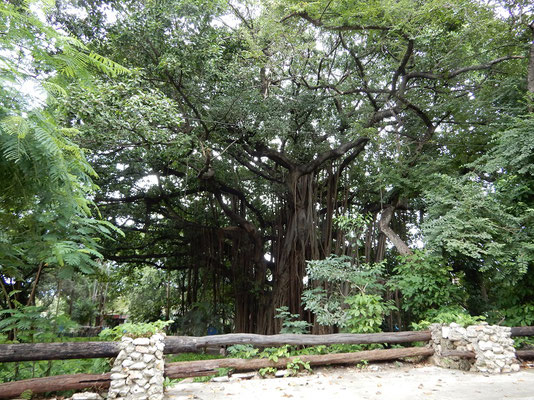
{"points": [[204, 368], [176, 344], [188, 344]]}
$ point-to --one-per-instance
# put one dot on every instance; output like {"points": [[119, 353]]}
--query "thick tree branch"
{"points": [[318, 23], [395, 239], [459, 71], [332, 154]]}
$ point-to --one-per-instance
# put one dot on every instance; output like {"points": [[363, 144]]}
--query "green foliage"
{"points": [[134, 330], [242, 351], [274, 353], [447, 315], [290, 322], [168, 382], [426, 283], [267, 371], [366, 312], [297, 365], [351, 289], [518, 315], [467, 220], [203, 379]]}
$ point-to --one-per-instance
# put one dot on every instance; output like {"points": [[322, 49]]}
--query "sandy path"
{"points": [[390, 382]]}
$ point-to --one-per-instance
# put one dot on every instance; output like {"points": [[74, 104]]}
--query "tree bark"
{"points": [[395, 239], [209, 367], [191, 344]]}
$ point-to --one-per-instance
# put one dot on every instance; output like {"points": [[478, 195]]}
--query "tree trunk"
{"points": [[395, 239]]}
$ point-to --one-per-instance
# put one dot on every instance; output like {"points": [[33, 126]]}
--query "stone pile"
{"points": [[492, 345], [137, 373]]}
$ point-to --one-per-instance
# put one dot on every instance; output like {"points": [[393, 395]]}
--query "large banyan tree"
{"points": [[247, 129]]}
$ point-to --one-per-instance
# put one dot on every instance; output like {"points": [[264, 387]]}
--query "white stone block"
{"points": [[138, 365], [142, 341], [445, 330], [142, 349], [147, 358]]}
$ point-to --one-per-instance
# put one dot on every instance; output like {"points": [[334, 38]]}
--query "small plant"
{"points": [[362, 364], [297, 365], [242, 351], [274, 353], [224, 371], [170, 382], [203, 379], [291, 322], [145, 329], [267, 371], [448, 315], [367, 312]]}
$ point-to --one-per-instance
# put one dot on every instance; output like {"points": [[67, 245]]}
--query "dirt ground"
{"points": [[391, 381]]}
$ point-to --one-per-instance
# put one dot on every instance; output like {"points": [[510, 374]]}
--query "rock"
{"points": [[147, 358], [118, 376], [135, 375], [156, 380], [116, 384], [135, 355], [141, 382], [248, 375], [138, 365], [86, 396], [127, 363], [484, 346], [281, 373], [515, 367], [141, 349], [141, 341], [149, 372], [445, 332], [220, 379]]}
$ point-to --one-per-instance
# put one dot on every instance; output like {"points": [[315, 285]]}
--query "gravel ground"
{"points": [[383, 381]]}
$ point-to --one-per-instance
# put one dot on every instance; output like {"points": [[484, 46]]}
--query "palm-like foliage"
{"points": [[45, 201]]}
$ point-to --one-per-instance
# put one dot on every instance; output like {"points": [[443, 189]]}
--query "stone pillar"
{"points": [[137, 373], [492, 345]]}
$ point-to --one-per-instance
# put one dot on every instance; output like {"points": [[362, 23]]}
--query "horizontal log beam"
{"points": [[523, 331], [190, 344], [525, 354], [57, 351], [202, 368], [54, 383], [209, 367], [296, 340]]}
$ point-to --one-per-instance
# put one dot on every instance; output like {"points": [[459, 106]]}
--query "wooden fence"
{"points": [[183, 344]]}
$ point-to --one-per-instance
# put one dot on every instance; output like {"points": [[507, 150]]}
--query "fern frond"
{"points": [[16, 126]]}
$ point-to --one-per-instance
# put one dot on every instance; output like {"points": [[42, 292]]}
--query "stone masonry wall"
{"points": [[492, 345], [137, 373]]}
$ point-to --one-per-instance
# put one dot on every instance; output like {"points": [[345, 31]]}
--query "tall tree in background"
{"points": [[249, 128]]}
